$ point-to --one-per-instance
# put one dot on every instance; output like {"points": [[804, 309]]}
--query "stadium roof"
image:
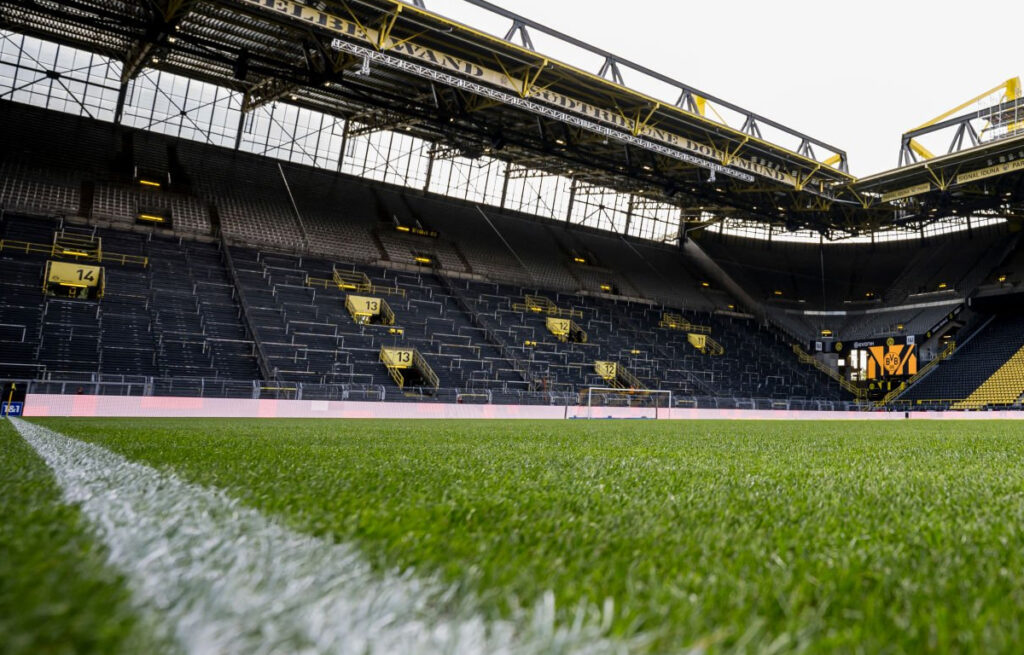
{"points": [[392, 65]]}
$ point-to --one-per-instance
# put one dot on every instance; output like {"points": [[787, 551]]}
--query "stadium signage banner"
{"points": [[524, 89], [907, 192], [990, 171], [889, 357], [843, 347], [11, 408], [77, 275], [892, 360], [607, 370]]}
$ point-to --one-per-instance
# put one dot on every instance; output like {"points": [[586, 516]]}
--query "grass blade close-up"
{"points": [[716, 536], [57, 594]]}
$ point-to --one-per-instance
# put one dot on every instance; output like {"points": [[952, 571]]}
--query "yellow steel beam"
{"points": [[922, 152], [728, 156], [942, 182], [384, 33], [801, 182], [701, 104], [1010, 88]]}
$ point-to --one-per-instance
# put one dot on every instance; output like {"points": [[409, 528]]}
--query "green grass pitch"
{"points": [[727, 536]]}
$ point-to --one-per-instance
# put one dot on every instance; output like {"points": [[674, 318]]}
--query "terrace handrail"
{"points": [[674, 321], [53, 250], [342, 283], [858, 392], [543, 305]]}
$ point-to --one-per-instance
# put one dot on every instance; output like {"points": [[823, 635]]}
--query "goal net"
{"points": [[608, 402]]}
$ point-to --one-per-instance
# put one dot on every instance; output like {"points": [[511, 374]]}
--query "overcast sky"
{"points": [[855, 74]]}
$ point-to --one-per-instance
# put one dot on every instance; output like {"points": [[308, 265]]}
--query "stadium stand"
{"points": [[180, 319], [978, 359], [868, 290], [175, 318], [841, 276], [234, 299]]}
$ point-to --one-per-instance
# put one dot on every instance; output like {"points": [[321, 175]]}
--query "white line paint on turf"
{"points": [[222, 578]]}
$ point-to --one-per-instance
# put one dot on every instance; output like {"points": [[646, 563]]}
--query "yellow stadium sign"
{"points": [[907, 192], [397, 357], [891, 360], [73, 275], [558, 326], [362, 305], [71, 280], [698, 341], [607, 370], [369, 310], [990, 171]]}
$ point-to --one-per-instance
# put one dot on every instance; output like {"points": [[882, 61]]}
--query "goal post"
{"points": [[611, 402]]}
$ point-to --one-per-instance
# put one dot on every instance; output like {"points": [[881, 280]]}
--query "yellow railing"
{"points": [[544, 305], [858, 392], [319, 282], [425, 369], [352, 281], [328, 283], [53, 250], [630, 380], [677, 322], [944, 354], [617, 376], [394, 371], [396, 375], [26, 247]]}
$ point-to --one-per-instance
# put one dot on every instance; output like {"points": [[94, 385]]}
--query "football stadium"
{"points": [[362, 326]]}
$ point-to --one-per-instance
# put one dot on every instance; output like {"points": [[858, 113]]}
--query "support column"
{"points": [[572, 200], [504, 184], [241, 126], [119, 109], [430, 170], [344, 143]]}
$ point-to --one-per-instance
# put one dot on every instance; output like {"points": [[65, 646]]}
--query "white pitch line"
{"points": [[217, 577]]}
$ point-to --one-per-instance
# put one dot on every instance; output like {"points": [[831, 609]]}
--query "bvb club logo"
{"points": [[892, 362], [890, 341]]}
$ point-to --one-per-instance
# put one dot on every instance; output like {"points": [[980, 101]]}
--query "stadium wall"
{"points": [[40, 405]]}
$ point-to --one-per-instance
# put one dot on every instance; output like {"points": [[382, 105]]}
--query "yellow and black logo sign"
{"points": [[895, 360]]}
